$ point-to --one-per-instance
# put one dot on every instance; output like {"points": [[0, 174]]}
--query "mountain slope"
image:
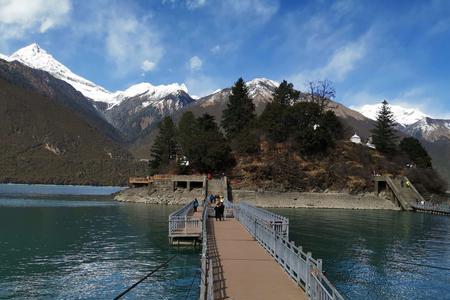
{"points": [[132, 111], [46, 142], [44, 84], [429, 129]]}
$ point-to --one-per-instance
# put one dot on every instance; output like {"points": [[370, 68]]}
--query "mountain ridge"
{"points": [[136, 111]]}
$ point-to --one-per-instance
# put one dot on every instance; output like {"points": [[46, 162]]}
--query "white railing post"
{"points": [[308, 275]]}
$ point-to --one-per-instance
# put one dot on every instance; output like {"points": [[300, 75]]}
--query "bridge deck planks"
{"points": [[243, 269]]}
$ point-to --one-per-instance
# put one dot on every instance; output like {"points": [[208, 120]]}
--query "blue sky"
{"points": [[370, 50]]}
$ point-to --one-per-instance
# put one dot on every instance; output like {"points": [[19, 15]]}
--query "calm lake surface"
{"points": [[88, 249], [377, 254], [65, 248]]}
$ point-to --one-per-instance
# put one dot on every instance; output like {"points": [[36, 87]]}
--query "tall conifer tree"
{"points": [[240, 111], [164, 148], [276, 118], [384, 134]]}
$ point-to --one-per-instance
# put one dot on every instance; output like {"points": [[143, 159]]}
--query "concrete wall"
{"points": [[312, 200]]}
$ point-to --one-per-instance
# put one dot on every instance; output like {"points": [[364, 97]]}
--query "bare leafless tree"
{"points": [[321, 92]]}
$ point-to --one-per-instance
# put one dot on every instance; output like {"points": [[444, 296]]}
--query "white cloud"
{"points": [[341, 63], [190, 4], [131, 43], [147, 65], [195, 63], [193, 4], [216, 49], [260, 9], [21, 17]]}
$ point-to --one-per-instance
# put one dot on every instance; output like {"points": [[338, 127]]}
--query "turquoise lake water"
{"points": [[58, 247], [377, 254], [87, 249]]}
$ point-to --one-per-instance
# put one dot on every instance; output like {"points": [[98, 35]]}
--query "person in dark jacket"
{"points": [[195, 204], [222, 210], [217, 211]]}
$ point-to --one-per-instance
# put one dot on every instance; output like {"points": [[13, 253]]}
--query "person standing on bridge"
{"points": [[222, 209], [217, 211], [195, 204]]}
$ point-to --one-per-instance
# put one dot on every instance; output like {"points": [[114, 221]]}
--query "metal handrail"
{"points": [[278, 223], [432, 207], [206, 281], [179, 221], [300, 266]]}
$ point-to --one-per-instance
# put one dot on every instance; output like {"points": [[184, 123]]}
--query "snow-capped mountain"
{"points": [[429, 129], [151, 93], [140, 107], [412, 121], [37, 58], [4, 57], [259, 89], [403, 116]]}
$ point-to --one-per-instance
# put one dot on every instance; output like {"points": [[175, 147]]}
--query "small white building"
{"points": [[355, 139], [370, 143]]}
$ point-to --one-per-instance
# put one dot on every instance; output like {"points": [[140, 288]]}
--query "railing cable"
{"points": [[145, 277]]}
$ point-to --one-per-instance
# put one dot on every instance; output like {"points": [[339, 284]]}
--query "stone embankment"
{"points": [[262, 199], [168, 197], [314, 200]]}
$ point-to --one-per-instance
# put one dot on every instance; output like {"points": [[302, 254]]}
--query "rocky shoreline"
{"points": [[262, 199]]}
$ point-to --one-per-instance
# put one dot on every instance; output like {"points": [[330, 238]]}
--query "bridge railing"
{"points": [[206, 282], [229, 209], [278, 223], [301, 266], [181, 223], [432, 207]]}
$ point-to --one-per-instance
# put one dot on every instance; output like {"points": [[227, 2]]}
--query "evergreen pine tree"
{"points": [[164, 148], [240, 111], [276, 118], [416, 152], [383, 134], [212, 153], [285, 94], [187, 134]]}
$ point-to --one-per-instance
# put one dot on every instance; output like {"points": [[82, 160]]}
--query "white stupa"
{"points": [[370, 143], [355, 139]]}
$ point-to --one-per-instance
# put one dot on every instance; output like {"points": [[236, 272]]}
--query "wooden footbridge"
{"points": [[249, 256]]}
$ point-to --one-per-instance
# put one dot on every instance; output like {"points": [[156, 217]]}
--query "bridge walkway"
{"points": [[242, 269]]}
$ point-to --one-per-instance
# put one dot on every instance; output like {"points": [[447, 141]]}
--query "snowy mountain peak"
{"points": [[151, 92], [430, 129], [37, 58], [263, 82], [261, 88], [30, 50], [402, 115]]}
